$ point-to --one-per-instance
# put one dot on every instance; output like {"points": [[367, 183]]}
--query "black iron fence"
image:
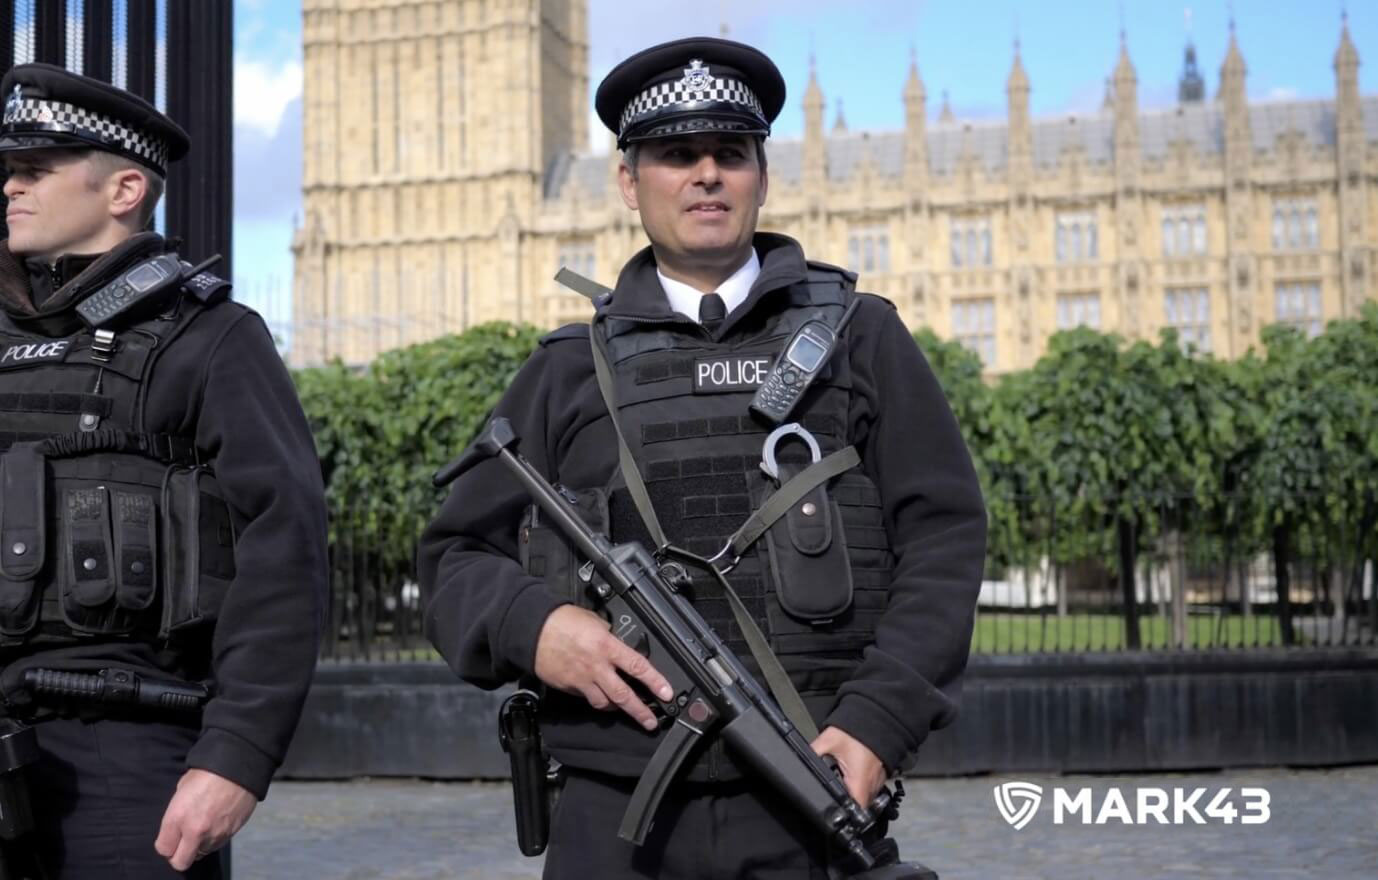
{"points": [[1070, 576]]}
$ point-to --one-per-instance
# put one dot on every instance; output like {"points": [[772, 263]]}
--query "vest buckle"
{"points": [[103, 346]]}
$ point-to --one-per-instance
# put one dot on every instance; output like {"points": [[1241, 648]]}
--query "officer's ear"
{"points": [[626, 180], [126, 189], [765, 175]]}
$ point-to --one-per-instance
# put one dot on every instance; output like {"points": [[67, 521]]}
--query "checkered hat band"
{"points": [[676, 92], [35, 114]]}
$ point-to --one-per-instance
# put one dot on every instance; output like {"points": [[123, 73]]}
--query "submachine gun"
{"points": [[713, 691]]}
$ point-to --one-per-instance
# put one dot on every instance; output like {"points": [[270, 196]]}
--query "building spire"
{"points": [[945, 115], [1191, 88], [840, 123]]}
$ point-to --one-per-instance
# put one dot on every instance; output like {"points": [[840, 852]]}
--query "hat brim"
{"points": [[11, 143], [694, 123]]}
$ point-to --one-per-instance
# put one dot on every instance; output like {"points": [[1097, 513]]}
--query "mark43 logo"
{"points": [[1018, 802]]}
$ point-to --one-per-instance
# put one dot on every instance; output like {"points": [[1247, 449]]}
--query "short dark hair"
{"points": [[632, 154]]}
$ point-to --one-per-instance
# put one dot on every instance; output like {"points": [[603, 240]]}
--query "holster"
{"points": [[519, 733]]}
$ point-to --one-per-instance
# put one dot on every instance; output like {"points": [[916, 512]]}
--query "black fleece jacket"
{"points": [[223, 383], [484, 614]]}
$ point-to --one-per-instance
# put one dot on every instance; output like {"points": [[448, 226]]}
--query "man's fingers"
{"points": [[186, 853], [622, 696], [594, 694], [168, 838], [638, 667]]}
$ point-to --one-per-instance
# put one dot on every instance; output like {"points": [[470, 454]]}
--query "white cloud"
{"points": [[262, 91]]}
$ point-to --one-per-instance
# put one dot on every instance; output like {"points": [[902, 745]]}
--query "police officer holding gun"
{"points": [[162, 518], [737, 401]]}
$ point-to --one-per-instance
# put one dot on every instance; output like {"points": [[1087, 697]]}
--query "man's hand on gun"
{"points": [[862, 772], [577, 653]]}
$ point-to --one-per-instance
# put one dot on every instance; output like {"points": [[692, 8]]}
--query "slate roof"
{"points": [[1203, 125]]}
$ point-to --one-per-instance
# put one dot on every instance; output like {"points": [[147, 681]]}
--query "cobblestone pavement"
{"points": [[1324, 824]]}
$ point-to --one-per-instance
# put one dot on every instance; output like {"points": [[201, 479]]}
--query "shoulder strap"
{"points": [[782, 499], [776, 678]]}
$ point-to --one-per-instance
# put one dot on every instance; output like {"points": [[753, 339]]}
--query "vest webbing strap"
{"points": [[167, 448], [581, 285], [794, 489], [776, 678]]}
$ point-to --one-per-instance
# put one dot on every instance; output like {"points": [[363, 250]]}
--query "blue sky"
{"points": [[862, 52]]}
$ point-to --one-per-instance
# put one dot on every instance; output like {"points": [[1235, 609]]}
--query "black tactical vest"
{"points": [[682, 406], [105, 530]]}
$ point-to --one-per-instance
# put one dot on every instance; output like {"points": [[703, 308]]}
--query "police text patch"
{"points": [[733, 372], [22, 354]]}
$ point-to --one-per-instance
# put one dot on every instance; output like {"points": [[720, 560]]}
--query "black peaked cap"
{"points": [[47, 106], [690, 85]]}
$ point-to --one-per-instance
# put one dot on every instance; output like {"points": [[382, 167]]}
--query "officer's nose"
{"points": [[13, 186], [706, 171]]}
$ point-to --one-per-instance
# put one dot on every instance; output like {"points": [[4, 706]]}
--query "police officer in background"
{"points": [[866, 591], [162, 513]]}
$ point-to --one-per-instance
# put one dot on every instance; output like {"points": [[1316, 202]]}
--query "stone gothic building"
{"points": [[445, 183]]}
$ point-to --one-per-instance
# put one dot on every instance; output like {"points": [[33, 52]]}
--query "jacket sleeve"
{"points": [[263, 654], [482, 611], [909, 680]]}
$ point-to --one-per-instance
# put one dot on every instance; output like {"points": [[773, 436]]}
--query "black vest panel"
{"points": [[682, 403], [105, 530]]}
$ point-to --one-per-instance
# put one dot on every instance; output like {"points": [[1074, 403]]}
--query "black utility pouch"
{"points": [[87, 582], [23, 521], [198, 539], [807, 548], [136, 543], [545, 553]]}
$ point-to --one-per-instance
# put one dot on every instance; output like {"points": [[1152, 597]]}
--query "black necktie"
{"points": [[711, 312]]}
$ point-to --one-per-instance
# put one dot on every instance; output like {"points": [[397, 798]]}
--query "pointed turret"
{"points": [[1126, 106], [1191, 88], [1020, 127], [945, 115], [915, 128], [814, 155], [1349, 148], [840, 122]]}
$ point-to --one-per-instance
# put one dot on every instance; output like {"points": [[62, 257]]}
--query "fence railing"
{"points": [[1059, 578]]}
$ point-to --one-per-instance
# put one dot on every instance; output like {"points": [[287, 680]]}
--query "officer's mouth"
{"points": [[705, 209]]}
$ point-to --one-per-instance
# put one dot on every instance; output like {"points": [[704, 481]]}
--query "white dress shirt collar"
{"points": [[685, 299]]}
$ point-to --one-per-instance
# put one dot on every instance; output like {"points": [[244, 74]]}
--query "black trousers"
{"points": [[719, 831], [99, 791]]}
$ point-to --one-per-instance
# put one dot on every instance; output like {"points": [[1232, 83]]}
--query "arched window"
{"points": [[1198, 235], [1074, 241], [1091, 248], [985, 245], [1183, 236], [973, 255], [1279, 235], [956, 246], [1313, 238], [1294, 229], [1167, 238]]}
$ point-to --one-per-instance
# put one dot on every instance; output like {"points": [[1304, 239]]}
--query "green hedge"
{"points": [[1098, 431]]}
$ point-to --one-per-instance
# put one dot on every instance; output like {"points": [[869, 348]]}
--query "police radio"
{"points": [[797, 366], [136, 287]]}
